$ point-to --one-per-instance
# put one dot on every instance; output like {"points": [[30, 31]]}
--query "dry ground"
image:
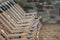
{"points": [[50, 32]]}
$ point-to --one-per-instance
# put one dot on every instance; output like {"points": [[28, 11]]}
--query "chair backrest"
{"points": [[18, 6], [12, 3], [11, 12], [11, 17], [15, 8], [5, 17], [14, 14], [8, 12]]}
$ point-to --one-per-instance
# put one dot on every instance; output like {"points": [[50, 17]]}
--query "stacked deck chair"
{"points": [[16, 24]]}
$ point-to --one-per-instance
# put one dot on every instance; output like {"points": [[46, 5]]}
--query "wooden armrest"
{"points": [[25, 21], [29, 17], [29, 14], [22, 25]]}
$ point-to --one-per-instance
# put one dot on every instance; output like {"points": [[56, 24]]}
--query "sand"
{"points": [[50, 32]]}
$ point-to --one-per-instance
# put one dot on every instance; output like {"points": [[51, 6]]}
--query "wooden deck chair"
{"points": [[10, 27], [17, 17], [14, 27], [10, 24], [1, 21], [6, 16]]}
